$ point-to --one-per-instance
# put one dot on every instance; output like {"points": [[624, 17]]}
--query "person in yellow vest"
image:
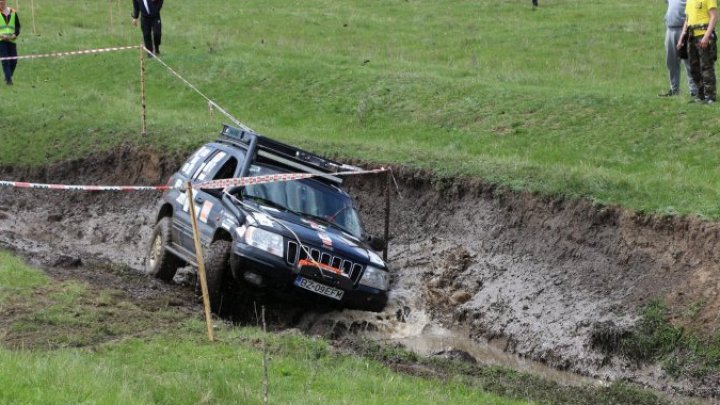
{"points": [[9, 31], [700, 19]]}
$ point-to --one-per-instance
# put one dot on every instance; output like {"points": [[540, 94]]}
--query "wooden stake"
{"points": [[200, 262], [388, 177], [32, 11], [143, 124], [266, 382]]}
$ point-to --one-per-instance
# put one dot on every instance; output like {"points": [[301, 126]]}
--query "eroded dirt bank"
{"points": [[533, 276]]}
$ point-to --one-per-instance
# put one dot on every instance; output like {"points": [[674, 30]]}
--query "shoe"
{"points": [[669, 93], [709, 101], [9, 82], [697, 99]]}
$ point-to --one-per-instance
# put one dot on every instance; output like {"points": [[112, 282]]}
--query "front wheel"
{"points": [[160, 262], [217, 270]]}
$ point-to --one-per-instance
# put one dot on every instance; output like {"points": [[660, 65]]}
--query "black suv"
{"points": [[301, 237]]}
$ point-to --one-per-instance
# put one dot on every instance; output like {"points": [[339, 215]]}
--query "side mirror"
{"points": [[376, 243]]}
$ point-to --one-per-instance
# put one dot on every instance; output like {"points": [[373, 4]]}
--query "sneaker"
{"points": [[669, 93], [697, 99], [709, 101], [9, 82]]}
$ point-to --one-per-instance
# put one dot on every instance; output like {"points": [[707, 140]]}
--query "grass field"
{"points": [[561, 100], [70, 342]]}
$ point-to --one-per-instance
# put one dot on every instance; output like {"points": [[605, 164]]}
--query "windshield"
{"points": [[306, 197]]}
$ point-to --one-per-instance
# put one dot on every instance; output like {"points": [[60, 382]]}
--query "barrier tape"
{"points": [[71, 53], [212, 184]]}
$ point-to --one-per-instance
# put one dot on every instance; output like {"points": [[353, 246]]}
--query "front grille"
{"points": [[295, 254]]}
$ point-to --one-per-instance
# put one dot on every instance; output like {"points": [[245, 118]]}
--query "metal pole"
{"points": [[200, 262], [387, 214]]}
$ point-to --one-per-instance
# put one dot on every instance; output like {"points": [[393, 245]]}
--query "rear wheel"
{"points": [[160, 262], [217, 272]]}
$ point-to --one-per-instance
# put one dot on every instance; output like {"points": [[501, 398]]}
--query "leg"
{"points": [[671, 58], [691, 84], [157, 34], [695, 69], [707, 63], [13, 63], [146, 27], [6, 66]]}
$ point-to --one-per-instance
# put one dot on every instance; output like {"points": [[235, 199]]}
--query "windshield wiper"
{"points": [[325, 221]]}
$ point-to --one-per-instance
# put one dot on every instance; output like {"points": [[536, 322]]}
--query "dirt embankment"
{"points": [[534, 275]]}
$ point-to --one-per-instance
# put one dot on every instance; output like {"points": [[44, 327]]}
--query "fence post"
{"points": [[143, 130], [200, 262]]}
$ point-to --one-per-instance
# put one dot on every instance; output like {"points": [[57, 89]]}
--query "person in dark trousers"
{"points": [[9, 31], [150, 24], [534, 2], [701, 17]]}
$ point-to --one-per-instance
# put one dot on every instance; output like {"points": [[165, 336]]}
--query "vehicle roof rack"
{"points": [[259, 145]]}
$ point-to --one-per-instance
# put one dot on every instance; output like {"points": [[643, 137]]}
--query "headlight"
{"points": [[375, 278], [264, 240]]}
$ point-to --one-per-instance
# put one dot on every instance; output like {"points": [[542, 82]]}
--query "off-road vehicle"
{"points": [[301, 237]]}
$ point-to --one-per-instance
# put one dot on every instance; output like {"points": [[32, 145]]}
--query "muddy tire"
{"points": [[160, 263], [217, 270]]}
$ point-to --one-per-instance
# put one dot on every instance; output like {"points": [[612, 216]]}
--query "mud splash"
{"points": [[528, 275]]}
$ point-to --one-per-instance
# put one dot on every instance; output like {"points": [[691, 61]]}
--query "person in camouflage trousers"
{"points": [[700, 21]]}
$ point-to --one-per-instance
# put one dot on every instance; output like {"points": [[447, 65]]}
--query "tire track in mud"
{"points": [[532, 276]]}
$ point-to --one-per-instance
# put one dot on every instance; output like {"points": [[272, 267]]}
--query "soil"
{"points": [[535, 276]]}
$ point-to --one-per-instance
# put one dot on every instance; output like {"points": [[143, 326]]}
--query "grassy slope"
{"points": [[559, 100]]}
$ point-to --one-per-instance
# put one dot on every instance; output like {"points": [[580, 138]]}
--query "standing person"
{"points": [[534, 2], [9, 31], [150, 24], [674, 21], [701, 18]]}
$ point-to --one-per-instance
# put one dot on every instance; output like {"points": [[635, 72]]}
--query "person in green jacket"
{"points": [[9, 31]]}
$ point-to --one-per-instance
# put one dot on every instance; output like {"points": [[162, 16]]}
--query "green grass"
{"points": [[190, 370], [70, 342], [76, 344], [655, 339], [560, 100]]}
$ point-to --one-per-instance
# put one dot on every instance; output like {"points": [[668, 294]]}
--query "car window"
{"points": [[192, 163], [307, 196], [208, 167]]}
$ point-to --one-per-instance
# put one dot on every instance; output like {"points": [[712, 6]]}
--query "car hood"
{"points": [[313, 233]]}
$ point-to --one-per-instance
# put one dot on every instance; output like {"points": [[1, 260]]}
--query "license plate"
{"points": [[318, 288]]}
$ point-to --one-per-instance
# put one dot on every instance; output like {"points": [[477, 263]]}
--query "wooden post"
{"points": [[32, 11], [388, 178], [200, 262], [143, 124]]}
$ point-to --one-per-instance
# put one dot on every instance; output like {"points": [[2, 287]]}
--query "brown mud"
{"points": [[518, 273]]}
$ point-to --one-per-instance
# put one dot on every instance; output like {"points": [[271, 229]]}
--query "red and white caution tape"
{"points": [[70, 187], [274, 178], [212, 184], [71, 53]]}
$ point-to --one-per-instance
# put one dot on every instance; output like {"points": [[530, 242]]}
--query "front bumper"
{"points": [[279, 276]]}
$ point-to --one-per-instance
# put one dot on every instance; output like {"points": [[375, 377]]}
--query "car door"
{"points": [[208, 208]]}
